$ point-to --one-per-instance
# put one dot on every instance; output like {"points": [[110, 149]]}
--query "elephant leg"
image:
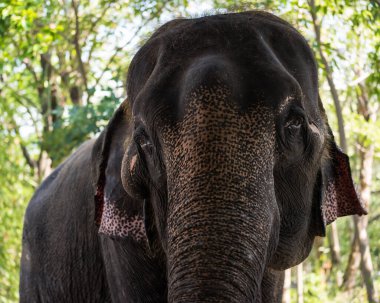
{"points": [[133, 275], [272, 285]]}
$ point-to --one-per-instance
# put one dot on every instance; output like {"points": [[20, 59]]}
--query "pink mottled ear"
{"points": [[116, 222], [116, 213], [108, 145], [340, 197]]}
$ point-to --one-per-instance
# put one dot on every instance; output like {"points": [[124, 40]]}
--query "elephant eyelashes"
{"points": [[294, 127], [295, 123], [294, 136], [142, 140]]}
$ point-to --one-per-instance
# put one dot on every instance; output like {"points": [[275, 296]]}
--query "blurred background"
{"points": [[63, 66]]}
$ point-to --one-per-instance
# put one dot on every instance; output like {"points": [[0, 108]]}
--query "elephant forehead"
{"points": [[214, 126], [261, 58]]}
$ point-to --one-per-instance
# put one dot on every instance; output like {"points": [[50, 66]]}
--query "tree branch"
{"points": [[29, 67], [27, 157], [46, 60], [93, 26], [24, 151], [97, 20], [78, 51], [26, 61], [118, 49], [93, 45], [334, 93], [373, 219], [18, 99]]}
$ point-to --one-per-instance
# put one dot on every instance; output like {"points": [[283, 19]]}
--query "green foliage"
{"points": [[77, 124], [15, 190]]}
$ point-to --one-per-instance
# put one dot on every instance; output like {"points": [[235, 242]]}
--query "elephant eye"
{"points": [[294, 135], [141, 139], [294, 123], [295, 120], [143, 142]]}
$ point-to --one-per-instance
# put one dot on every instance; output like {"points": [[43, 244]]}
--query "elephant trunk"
{"points": [[222, 226], [223, 219], [219, 240]]}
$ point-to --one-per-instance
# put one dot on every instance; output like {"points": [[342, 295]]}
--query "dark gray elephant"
{"points": [[214, 176]]}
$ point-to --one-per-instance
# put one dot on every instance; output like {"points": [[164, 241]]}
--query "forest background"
{"points": [[63, 66]]}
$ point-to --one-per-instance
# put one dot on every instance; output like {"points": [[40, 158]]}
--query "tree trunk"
{"points": [[361, 237], [334, 238], [44, 167], [366, 157], [300, 283], [287, 285], [334, 244], [329, 76], [352, 265], [360, 242]]}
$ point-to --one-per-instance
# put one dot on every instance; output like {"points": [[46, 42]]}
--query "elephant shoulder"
{"points": [[70, 177], [60, 238]]}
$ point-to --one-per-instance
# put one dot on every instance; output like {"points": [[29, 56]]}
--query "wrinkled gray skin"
{"points": [[213, 178]]}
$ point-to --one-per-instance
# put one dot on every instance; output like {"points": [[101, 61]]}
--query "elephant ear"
{"points": [[116, 213], [339, 198]]}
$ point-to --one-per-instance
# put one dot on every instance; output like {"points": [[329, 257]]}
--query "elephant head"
{"points": [[226, 147]]}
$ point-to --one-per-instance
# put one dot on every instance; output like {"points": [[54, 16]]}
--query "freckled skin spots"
{"points": [[222, 159], [339, 201], [117, 223], [285, 104]]}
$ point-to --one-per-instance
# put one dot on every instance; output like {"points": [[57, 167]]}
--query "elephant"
{"points": [[213, 176]]}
